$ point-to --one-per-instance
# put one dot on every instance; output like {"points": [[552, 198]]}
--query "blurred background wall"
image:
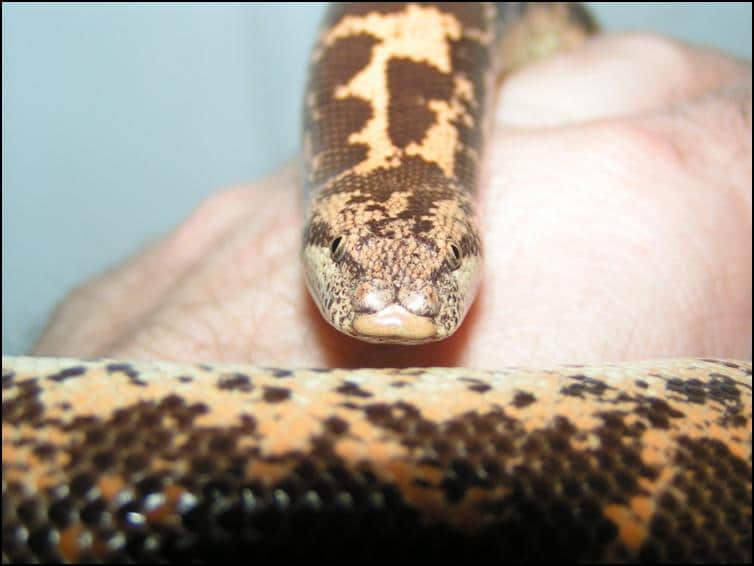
{"points": [[118, 119]]}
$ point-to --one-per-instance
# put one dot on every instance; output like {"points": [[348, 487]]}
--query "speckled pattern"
{"points": [[116, 461], [395, 118]]}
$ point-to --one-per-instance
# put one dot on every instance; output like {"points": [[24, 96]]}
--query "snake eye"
{"points": [[454, 256], [337, 249]]}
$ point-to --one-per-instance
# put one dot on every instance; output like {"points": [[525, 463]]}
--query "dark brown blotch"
{"points": [[471, 60], [723, 389], [280, 373], [235, 382], [351, 389], [134, 376], [25, 407], [340, 62], [123, 367], [523, 399], [412, 85], [336, 425], [67, 373], [336, 119], [276, 394], [658, 412], [692, 390], [584, 386], [468, 14]]}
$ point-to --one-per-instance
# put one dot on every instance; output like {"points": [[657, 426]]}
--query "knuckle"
{"points": [[214, 215], [664, 51], [641, 144]]}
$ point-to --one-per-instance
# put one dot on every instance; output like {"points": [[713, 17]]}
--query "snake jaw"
{"points": [[395, 324], [379, 317]]}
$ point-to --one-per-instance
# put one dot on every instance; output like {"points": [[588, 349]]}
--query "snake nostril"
{"points": [[371, 296], [423, 301]]}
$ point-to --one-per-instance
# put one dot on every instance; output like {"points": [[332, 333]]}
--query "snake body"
{"points": [[110, 460], [396, 114]]}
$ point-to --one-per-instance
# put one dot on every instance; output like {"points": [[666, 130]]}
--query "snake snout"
{"points": [[382, 314], [423, 301], [372, 296]]}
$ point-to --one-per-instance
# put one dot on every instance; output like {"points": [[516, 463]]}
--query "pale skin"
{"points": [[617, 226]]}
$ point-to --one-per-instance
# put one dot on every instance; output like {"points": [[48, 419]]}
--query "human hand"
{"points": [[616, 218]]}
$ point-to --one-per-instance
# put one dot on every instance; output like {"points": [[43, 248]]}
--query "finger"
{"points": [[100, 311], [240, 300], [610, 76], [640, 226], [711, 136]]}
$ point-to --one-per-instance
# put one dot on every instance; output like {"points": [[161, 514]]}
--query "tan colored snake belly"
{"points": [[121, 461]]}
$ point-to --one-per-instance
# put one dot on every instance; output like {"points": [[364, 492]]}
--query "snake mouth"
{"points": [[395, 324]]}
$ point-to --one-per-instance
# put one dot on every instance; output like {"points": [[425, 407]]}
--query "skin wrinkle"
{"points": [[212, 294], [686, 122], [559, 206], [725, 107], [164, 264]]}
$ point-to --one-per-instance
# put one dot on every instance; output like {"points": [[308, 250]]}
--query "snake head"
{"points": [[397, 278]]}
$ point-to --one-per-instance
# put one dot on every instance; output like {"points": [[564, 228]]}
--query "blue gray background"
{"points": [[118, 119]]}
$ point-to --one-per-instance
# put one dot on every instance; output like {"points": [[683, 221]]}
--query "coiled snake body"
{"points": [[117, 461]]}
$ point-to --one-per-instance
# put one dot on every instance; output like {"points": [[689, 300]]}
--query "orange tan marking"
{"points": [[165, 511], [285, 426], [71, 541], [439, 394], [421, 34], [630, 530], [110, 486]]}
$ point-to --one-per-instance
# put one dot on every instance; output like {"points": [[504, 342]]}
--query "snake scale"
{"points": [[109, 460]]}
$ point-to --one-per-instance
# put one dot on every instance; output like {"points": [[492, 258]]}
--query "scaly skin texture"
{"points": [[135, 461], [396, 113], [120, 461]]}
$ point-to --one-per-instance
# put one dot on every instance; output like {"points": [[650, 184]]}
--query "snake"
{"points": [[109, 460]]}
